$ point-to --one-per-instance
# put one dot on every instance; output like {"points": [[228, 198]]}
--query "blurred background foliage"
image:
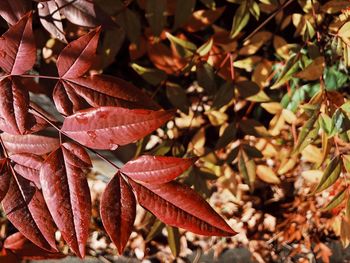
{"points": [[261, 89]]}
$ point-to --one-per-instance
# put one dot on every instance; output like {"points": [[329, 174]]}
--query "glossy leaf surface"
{"points": [[25, 207], [17, 47], [156, 169], [28, 165], [178, 205], [14, 110], [50, 18], [13, 10], [66, 192], [118, 211], [77, 57], [99, 90], [108, 127], [29, 143]]}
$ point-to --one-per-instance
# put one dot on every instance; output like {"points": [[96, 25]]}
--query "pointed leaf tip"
{"points": [[156, 169]]}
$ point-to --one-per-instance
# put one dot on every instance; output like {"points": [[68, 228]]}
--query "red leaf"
{"points": [[23, 248], [77, 57], [13, 10], [28, 165], [4, 179], [8, 257], [17, 47], [118, 211], [66, 99], [164, 59], [178, 205], [156, 169], [103, 90], [25, 207], [29, 143], [50, 18], [66, 192], [14, 101], [108, 127], [99, 90]]}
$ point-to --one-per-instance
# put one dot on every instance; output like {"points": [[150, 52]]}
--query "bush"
{"points": [[242, 103]]}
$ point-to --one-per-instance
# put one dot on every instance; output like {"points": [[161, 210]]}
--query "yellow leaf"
{"points": [[267, 175], [311, 154], [261, 73], [248, 63], [286, 166], [344, 31], [312, 176], [217, 118], [288, 116], [277, 124], [197, 143], [272, 107], [252, 45], [312, 71], [281, 47], [345, 232]]}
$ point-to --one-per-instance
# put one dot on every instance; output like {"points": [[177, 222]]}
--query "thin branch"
{"points": [[268, 19]]}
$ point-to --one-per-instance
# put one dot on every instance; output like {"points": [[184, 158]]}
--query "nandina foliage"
{"points": [[43, 180]]}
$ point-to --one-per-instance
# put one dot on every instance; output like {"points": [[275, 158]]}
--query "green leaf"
{"points": [[247, 168], [341, 121], [253, 127], [205, 48], [252, 151], [254, 9], [346, 162], [228, 136], [155, 14], [346, 106], [197, 178], [306, 135], [151, 75], [184, 8], [174, 240], [223, 96], [232, 155], [111, 44], [336, 200], [206, 78], [209, 3], [251, 91], [289, 69], [130, 22], [177, 97], [156, 229], [240, 19], [334, 79], [183, 47], [326, 123], [330, 175]]}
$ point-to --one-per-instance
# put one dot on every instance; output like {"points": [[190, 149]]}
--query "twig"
{"points": [[268, 19]]}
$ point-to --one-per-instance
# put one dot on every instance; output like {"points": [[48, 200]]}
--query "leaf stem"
{"points": [[62, 132], [4, 148], [40, 76]]}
